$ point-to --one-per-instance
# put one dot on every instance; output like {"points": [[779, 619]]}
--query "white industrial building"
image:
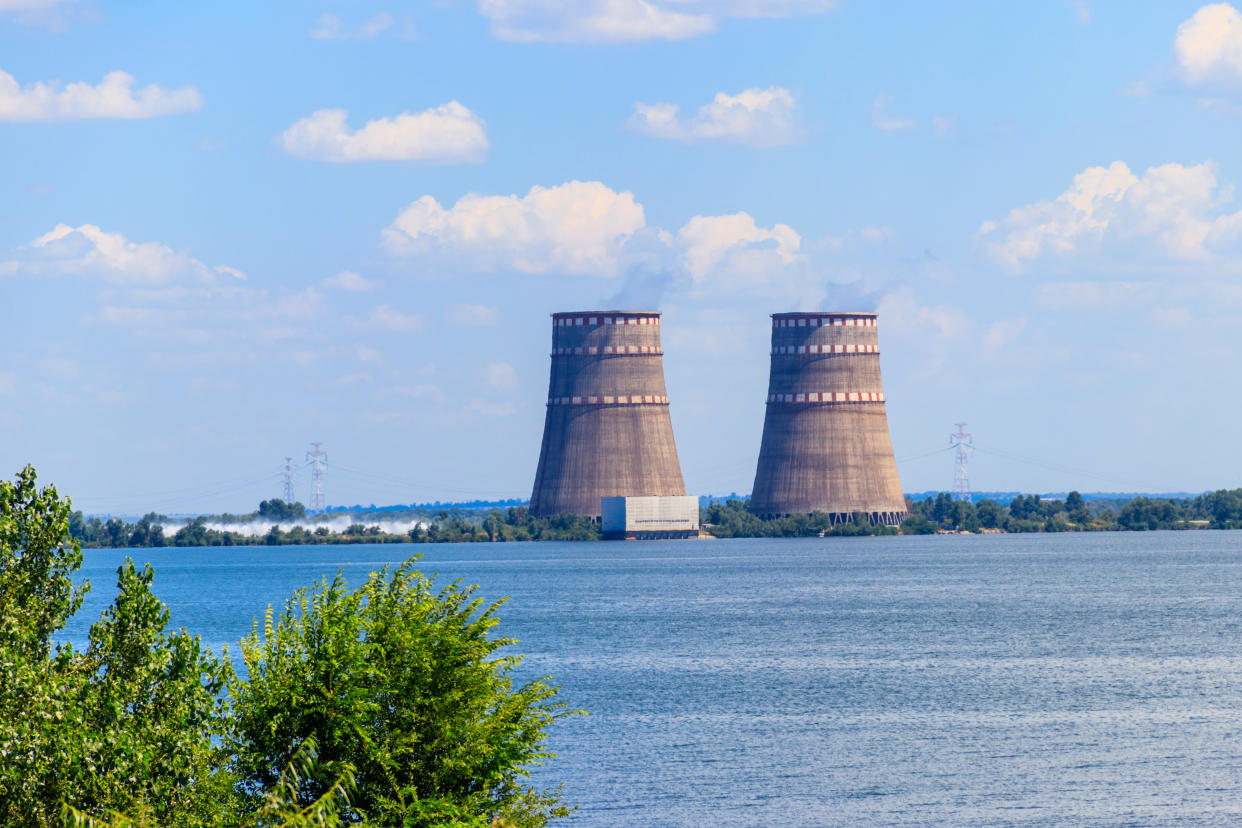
{"points": [[650, 517]]}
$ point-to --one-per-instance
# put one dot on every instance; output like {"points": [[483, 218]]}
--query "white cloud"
{"points": [[733, 251], [350, 281], [114, 97], [579, 227], [370, 355], [388, 318], [331, 27], [612, 21], [1208, 46], [446, 134], [89, 251], [472, 316], [877, 234], [590, 21], [229, 271], [1173, 208], [1135, 89], [882, 120], [1003, 332], [8, 382], [755, 117], [500, 376], [50, 13], [1082, 11]]}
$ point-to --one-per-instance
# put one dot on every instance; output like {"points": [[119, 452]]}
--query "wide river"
{"points": [[996, 680]]}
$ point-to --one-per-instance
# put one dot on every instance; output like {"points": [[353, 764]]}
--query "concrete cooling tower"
{"points": [[607, 432], [826, 445]]}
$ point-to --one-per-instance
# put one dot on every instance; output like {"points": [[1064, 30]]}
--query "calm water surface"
{"points": [[994, 680]]}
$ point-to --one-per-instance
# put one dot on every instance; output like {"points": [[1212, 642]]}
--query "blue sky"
{"points": [[348, 222]]}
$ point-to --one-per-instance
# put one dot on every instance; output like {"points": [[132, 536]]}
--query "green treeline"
{"points": [[515, 523], [385, 705], [1216, 510], [723, 519]]}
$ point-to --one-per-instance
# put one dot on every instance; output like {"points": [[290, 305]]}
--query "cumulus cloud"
{"points": [[755, 117], [390, 319], [1174, 208], [588, 229], [1208, 46], [331, 27], [880, 118], [113, 97], [730, 250], [89, 251], [472, 316], [350, 281], [579, 227], [612, 21], [445, 134]]}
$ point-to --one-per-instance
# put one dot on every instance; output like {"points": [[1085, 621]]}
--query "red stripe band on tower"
{"points": [[595, 320], [829, 397], [591, 350], [787, 350], [824, 322], [623, 399]]}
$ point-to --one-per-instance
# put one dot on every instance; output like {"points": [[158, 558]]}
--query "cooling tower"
{"points": [[825, 435], [607, 431]]}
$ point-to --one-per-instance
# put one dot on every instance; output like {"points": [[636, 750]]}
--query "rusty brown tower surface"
{"points": [[607, 430], [826, 446]]}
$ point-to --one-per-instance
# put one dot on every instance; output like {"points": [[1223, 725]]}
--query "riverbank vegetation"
{"points": [[288, 523], [386, 705], [1215, 510]]}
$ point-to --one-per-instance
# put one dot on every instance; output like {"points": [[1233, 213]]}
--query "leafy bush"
{"points": [[385, 705]]}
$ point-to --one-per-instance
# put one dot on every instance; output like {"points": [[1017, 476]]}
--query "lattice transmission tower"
{"points": [[318, 459], [964, 443], [288, 473]]}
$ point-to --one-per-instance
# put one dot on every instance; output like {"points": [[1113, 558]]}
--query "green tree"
{"points": [[125, 725], [397, 680], [280, 511], [1076, 508]]}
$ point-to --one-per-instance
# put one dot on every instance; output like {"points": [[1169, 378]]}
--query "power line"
{"points": [[1067, 469], [912, 457]]}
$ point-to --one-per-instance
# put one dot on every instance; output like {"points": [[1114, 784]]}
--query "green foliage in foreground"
{"points": [[385, 706], [396, 681]]}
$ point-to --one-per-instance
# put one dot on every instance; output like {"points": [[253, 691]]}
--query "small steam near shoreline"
{"points": [[336, 525]]}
